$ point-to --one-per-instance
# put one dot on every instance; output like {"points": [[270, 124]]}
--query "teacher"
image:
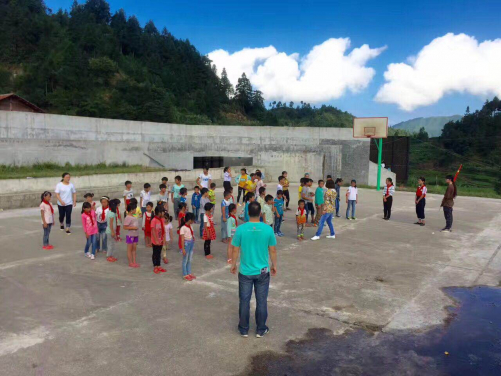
{"points": [[66, 200], [256, 242]]}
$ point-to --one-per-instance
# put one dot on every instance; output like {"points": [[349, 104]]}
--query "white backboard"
{"points": [[370, 127]]}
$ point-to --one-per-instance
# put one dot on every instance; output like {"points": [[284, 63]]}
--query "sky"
{"points": [[398, 59]]}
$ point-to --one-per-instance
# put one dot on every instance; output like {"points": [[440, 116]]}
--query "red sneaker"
{"points": [[166, 261], [113, 259], [109, 259], [136, 265], [188, 278], [131, 265], [156, 271], [50, 247], [162, 269], [209, 257], [192, 276], [46, 247]]}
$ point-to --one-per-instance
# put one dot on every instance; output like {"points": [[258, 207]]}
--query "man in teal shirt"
{"points": [[256, 242]]}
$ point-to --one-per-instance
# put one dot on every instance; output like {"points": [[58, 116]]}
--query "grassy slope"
{"points": [[433, 124]]}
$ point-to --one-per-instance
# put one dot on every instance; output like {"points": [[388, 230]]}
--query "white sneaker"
{"points": [[92, 257], [315, 237], [331, 237], [87, 254]]}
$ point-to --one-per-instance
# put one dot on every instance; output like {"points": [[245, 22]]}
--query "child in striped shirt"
{"points": [[388, 192]]}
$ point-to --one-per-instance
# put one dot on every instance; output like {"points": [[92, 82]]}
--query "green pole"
{"points": [[379, 157]]}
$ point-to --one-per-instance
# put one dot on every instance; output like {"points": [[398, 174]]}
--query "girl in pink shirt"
{"points": [[89, 225], [47, 212]]}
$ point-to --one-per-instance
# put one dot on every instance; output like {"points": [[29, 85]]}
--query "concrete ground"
{"points": [[63, 314]]}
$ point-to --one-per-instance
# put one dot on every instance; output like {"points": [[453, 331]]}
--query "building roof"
{"points": [[24, 101]]}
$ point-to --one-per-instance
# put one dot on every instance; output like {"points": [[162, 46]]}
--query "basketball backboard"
{"points": [[370, 127]]}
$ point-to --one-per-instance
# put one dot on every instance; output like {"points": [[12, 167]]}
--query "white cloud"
{"points": [[325, 73], [451, 63]]}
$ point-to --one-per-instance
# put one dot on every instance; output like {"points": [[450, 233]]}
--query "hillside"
{"points": [[89, 62], [433, 125]]}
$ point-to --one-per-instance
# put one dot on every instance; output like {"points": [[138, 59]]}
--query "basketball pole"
{"points": [[379, 157]]}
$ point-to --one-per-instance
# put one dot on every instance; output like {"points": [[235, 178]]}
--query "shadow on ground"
{"points": [[469, 343]]}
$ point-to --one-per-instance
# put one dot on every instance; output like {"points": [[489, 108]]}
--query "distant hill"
{"points": [[433, 125]]}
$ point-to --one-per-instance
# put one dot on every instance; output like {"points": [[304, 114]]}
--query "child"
{"points": [[388, 192], [118, 220], [163, 195], [145, 197], [448, 202], [168, 236], [259, 180], [227, 178], [351, 200], [111, 228], [89, 225], [157, 239], [165, 181], [250, 185], [204, 200], [225, 203], [231, 229], [175, 194], [182, 212], [338, 183], [102, 238], [212, 193], [137, 211], [421, 201], [300, 188], [232, 199], [279, 212], [268, 210], [128, 193], [319, 200], [183, 196], [131, 224], [188, 242], [89, 197], [261, 200], [47, 213], [195, 203], [249, 197], [300, 219], [280, 186], [209, 233], [147, 218], [307, 195], [285, 184], [241, 180]]}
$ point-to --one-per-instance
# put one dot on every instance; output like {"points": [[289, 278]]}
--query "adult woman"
{"points": [[227, 179], [66, 201], [329, 210], [448, 202]]}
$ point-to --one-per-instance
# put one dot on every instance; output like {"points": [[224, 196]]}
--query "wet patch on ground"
{"points": [[469, 343]]}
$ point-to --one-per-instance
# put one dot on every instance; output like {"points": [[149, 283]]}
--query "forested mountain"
{"points": [[432, 125], [89, 62]]}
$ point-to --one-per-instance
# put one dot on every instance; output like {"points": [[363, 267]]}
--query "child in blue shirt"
{"points": [[195, 203], [225, 203], [183, 193], [279, 207]]}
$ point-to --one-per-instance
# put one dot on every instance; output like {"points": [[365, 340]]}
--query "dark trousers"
{"points": [[207, 247], [241, 192], [310, 209], [227, 185], [288, 197], [46, 233], [278, 223], [157, 250], [387, 206], [261, 285], [420, 208], [448, 217], [65, 211]]}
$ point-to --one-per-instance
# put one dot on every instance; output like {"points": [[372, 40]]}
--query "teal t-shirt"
{"points": [[109, 216], [176, 188], [319, 196], [254, 238]]}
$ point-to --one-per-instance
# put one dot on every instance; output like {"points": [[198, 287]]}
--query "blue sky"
{"points": [[297, 26]]}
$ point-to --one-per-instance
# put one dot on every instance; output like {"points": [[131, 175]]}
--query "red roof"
{"points": [[24, 101]]}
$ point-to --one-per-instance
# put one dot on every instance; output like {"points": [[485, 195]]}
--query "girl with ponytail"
{"points": [[188, 241]]}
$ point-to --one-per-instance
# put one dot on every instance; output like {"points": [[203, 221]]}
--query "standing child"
{"points": [[188, 241], [227, 178], [261, 200], [131, 224], [279, 212], [268, 210], [147, 218], [351, 200], [285, 184], [203, 200], [300, 219], [225, 203], [176, 188], [89, 197], [157, 239], [421, 200], [338, 183], [145, 197], [163, 195], [182, 213], [250, 185], [47, 213], [308, 195], [231, 229], [183, 197], [89, 225], [195, 203], [388, 192], [319, 200], [448, 202], [101, 212], [241, 180], [209, 230], [212, 193], [249, 197], [111, 228], [165, 181], [168, 236], [128, 193]]}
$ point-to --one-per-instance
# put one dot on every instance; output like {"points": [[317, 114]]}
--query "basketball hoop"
{"points": [[373, 127], [369, 131]]}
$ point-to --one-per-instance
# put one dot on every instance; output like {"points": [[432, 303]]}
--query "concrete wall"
{"points": [[384, 175], [26, 138]]}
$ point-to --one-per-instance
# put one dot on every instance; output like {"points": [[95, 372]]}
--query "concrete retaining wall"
{"points": [[384, 175], [26, 138]]}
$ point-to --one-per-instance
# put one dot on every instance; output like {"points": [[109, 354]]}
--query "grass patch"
{"points": [[45, 170]]}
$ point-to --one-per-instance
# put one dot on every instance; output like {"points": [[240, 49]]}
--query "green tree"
{"points": [[243, 93], [226, 85]]}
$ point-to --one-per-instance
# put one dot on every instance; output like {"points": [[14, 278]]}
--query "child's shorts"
{"points": [[131, 239]]}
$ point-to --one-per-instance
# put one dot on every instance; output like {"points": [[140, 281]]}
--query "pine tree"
{"points": [[243, 93], [226, 85]]}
